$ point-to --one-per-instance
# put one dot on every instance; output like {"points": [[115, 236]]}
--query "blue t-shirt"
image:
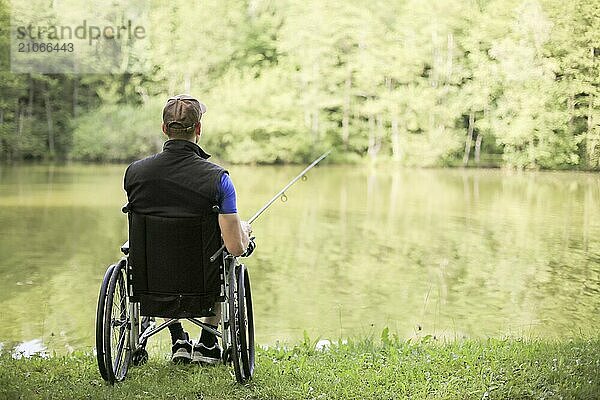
{"points": [[226, 195]]}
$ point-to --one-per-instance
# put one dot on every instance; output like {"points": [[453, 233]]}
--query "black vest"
{"points": [[178, 182]]}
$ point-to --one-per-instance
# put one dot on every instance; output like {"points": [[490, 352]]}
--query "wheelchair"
{"points": [[166, 271]]}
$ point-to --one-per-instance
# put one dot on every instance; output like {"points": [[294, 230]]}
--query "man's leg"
{"points": [[177, 332], [206, 337], [208, 350], [182, 346]]}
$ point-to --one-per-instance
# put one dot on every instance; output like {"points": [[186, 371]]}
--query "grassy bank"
{"points": [[386, 369]]}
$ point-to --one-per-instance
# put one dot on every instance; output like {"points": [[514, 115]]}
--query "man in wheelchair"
{"points": [[179, 182]]}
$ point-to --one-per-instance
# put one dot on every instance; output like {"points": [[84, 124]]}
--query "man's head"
{"points": [[181, 117]]}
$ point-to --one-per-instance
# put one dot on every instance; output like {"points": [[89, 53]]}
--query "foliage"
{"points": [[454, 82], [117, 132]]}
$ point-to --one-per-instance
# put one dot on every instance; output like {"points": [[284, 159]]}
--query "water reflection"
{"points": [[441, 252]]}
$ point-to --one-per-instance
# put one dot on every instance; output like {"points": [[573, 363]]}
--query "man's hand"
{"points": [[246, 228], [251, 247]]}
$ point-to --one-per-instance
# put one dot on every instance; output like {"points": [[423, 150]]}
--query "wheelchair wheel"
{"points": [[117, 326], [100, 323], [246, 322], [241, 324]]}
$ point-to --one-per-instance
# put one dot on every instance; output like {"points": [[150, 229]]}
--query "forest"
{"points": [[510, 83]]}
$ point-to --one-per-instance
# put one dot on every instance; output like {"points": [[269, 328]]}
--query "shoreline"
{"points": [[369, 164]]}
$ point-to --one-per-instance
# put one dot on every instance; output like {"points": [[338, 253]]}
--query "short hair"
{"points": [[182, 134]]}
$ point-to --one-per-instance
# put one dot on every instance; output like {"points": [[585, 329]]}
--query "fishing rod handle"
{"points": [[217, 253]]}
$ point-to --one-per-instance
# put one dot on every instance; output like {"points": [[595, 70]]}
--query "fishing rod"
{"points": [[280, 194]]}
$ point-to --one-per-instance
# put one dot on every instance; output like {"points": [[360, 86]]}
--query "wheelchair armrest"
{"points": [[125, 248]]}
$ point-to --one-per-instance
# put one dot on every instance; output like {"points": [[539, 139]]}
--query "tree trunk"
{"points": [[449, 57], [75, 97], [315, 125], [589, 153], [187, 83], [571, 108], [478, 147], [17, 149], [50, 123], [252, 9], [380, 133], [124, 56], [20, 123], [532, 160], [436, 59], [434, 74], [172, 86], [3, 151], [396, 155], [371, 148], [143, 94], [307, 118], [346, 111], [31, 92], [315, 112], [307, 112], [375, 133], [396, 152], [469, 140]]}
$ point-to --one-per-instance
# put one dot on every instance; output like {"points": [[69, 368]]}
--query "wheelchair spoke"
{"points": [[120, 348], [118, 323]]}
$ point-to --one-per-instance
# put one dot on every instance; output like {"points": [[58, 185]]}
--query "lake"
{"points": [[449, 253]]}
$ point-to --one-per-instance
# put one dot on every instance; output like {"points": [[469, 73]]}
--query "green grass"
{"points": [[363, 369]]}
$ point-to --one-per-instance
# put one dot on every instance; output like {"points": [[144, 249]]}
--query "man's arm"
{"points": [[235, 233]]}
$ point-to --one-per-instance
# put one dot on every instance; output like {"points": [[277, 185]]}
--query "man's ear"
{"points": [[164, 129], [197, 132]]}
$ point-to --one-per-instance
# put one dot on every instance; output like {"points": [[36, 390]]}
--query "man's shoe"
{"points": [[207, 355], [182, 350]]}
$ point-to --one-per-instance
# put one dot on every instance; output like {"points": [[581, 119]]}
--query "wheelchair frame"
{"points": [[121, 337]]}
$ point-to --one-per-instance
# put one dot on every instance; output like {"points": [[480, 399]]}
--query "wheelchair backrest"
{"points": [[170, 267]]}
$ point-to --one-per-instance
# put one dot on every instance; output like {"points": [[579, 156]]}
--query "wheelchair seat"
{"points": [[171, 272]]}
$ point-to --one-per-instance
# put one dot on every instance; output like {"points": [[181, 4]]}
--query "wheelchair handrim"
{"points": [[100, 322], [116, 327]]}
